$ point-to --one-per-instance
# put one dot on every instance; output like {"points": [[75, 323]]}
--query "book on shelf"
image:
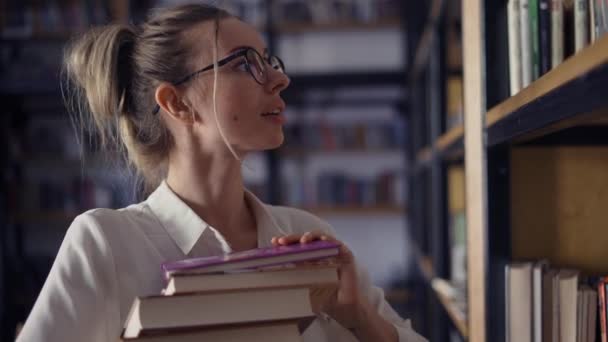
{"points": [[581, 24], [557, 32], [533, 11], [601, 289], [163, 314], [253, 258], [551, 304], [525, 43], [519, 302], [277, 331], [600, 18], [515, 62], [542, 33]]}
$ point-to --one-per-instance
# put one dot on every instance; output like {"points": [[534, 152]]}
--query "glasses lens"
{"points": [[256, 65], [277, 63]]}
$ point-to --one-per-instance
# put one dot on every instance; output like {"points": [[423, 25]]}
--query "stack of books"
{"points": [[551, 304], [265, 294]]}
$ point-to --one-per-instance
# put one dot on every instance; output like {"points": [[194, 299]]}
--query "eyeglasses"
{"points": [[254, 63]]}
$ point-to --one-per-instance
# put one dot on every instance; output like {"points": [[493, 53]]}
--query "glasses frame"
{"points": [[239, 53]]}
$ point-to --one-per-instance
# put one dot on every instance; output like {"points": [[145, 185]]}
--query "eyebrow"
{"points": [[243, 47]]}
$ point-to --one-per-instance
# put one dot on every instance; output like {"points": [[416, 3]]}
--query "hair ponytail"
{"points": [[99, 69]]}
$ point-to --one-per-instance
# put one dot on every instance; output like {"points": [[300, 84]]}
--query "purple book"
{"points": [[253, 258]]}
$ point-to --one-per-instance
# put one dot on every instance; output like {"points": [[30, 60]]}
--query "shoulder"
{"points": [[107, 224], [298, 221]]}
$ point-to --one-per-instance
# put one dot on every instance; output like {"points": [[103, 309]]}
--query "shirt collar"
{"points": [[185, 227]]}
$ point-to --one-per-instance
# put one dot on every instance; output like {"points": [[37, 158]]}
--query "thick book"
{"points": [[591, 321], [254, 258], [601, 18], [519, 302], [557, 32], [305, 276], [550, 311], [581, 24], [162, 314], [568, 291], [592, 26], [533, 8], [526, 43], [322, 282], [544, 29], [514, 46], [277, 331], [537, 300]]}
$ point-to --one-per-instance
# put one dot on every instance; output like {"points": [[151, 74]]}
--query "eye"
{"points": [[242, 66]]}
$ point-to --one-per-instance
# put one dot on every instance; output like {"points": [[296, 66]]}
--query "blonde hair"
{"points": [[111, 76]]}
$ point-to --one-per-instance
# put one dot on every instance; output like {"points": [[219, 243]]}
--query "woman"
{"points": [[186, 97]]}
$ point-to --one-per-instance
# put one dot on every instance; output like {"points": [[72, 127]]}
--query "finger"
{"points": [[346, 255], [289, 239], [317, 235]]}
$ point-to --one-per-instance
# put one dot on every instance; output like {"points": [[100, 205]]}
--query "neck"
{"points": [[212, 185]]}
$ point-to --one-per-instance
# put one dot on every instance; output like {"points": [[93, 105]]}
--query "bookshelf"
{"points": [[534, 165], [356, 210], [39, 171], [343, 26]]}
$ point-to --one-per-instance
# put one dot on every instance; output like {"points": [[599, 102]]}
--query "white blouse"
{"points": [[108, 257]]}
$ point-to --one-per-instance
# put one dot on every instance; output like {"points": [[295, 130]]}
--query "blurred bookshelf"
{"points": [[338, 26], [360, 157]]}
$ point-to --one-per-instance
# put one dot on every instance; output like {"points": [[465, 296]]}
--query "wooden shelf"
{"points": [[356, 210], [574, 88], [448, 146], [338, 27], [451, 140], [456, 314]]}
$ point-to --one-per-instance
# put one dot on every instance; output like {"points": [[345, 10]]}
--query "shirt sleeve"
{"points": [[78, 301], [376, 297]]}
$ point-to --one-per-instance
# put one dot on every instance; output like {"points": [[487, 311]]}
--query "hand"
{"points": [[346, 304]]}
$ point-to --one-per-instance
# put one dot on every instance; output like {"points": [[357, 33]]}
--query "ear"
{"points": [[169, 99]]}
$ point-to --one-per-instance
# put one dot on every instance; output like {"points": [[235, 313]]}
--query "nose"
{"points": [[277, 81]]}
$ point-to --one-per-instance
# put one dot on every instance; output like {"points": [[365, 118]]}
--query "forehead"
{"points": [[235, 33], [232, 33]]}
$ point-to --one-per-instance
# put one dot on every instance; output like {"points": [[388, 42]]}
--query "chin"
{"points": [[275, 142]]}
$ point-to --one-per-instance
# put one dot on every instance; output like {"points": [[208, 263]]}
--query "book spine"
{"points": [[534, 37], [515, 71], [592, 31], [557, 32], [604, 17], [544, 28], [602, 303], [526, 43], [599, 22], [581, 25]]}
